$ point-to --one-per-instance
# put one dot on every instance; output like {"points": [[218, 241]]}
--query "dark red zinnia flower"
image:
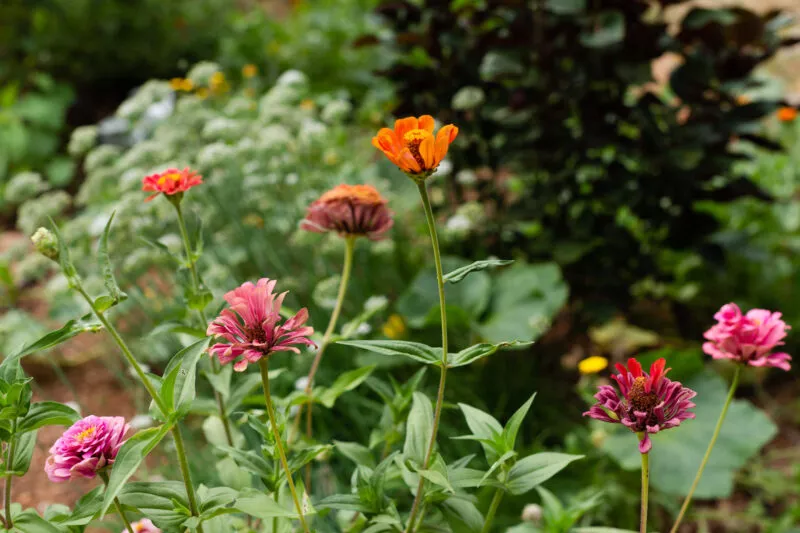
{"points": [[353, 210], [646, 403]]}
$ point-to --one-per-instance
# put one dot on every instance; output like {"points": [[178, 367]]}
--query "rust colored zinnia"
{"points": [[412, 145], [350, 210], [171, 182], [646, 403]]}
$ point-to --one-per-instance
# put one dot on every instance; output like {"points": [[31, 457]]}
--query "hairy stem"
{"points": [[645, 490], [717, 429], [12, 448], [129, 357], [263, 364], [223, 411], [118, 505], [426, 203]]}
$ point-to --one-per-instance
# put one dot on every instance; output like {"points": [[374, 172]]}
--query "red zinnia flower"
{"points": [[412, 146], [350, 210], [170, 182], [252, 326], [646, 403]]}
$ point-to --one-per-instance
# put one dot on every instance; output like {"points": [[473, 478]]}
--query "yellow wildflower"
{"points": [[249, 70], [593, 364], [202, 93], [395, 327], [307, 104]]}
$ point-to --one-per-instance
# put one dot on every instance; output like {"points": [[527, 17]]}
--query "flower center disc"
{"points": [[639, 399]]}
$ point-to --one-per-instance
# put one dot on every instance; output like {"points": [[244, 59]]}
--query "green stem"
{"points": [[717, 429], [129, 357], [263, 364], [118, 505], [498, 497], [426, 203], [645, 488], [223, 411], [12, 448], [350, 242]]}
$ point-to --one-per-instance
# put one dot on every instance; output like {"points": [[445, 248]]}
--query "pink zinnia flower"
{"points": [[748, 338], [89, 445], [251, 326], [145, 525], [350, 210], [646, 403], [171, 182]]}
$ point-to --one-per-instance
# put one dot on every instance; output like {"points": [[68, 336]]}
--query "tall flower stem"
{"points": [[223, 411], [176, 434], [645, 488], [498, 497], [118, 505], [263, 364], [12, 448], [717, 429], [349, 243], [437, 258]]}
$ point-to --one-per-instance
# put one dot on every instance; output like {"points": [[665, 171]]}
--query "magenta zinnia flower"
{"points": [[350, 210], [145, 525], [251, 326], [646, 403], [89, 445], [748, 338]]}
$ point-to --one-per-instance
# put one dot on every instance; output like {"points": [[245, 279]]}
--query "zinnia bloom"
{"points": [[89, 445], [171, 182], [787, 114], [412, 146], [251, 326], [646, 403], [593, 365], [145, 525], [350, 210], [748, 338]]}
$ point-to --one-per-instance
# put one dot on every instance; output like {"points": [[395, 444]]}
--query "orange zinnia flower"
{"points": [[787, 114], [412, 146], [171, 182]]}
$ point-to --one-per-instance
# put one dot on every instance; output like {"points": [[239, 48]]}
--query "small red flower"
{"points": [[646, 403], [350, 210], [252, 326], [171, 182]]}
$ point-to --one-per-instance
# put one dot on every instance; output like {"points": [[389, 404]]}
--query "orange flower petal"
{"points": [[389, 141], [404, 125], [426, 123], [427, 149], [407, 162], [445, 136]]}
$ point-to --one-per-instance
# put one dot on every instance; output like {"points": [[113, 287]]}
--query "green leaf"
{"points": [[64, 260], [418, 428], [85, 509], [177, 327], [607, 29], [179, 392], [510, 454], [479, 351], [459, 511], [485, 427], [565, 7], [600, 530], [745, 431], [26, 444], [262, 506], [345, 382], [231, 475], [347, 502], [360, 455], [252, 461], [413, 350], [105, 264], [66, 332], [129, 457], [460, 273], [164, 502], [29, 522], [47, 414], [513, 424], [221, 381], [535, 469]]}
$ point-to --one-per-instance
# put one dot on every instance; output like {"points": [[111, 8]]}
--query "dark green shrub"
{"points": [[587, 163]]}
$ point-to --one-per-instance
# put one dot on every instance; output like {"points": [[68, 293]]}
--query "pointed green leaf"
{"points": [[460, 273], [345, 382], [184, 366], [479, 351], [513, 424], [413, 350], [535, 469], [360, 455], [262, 506], [485, 427], [105, 264], [47, 414], [64, 260], [459, 511], [66, 332], [26, 444], [418, 428]]}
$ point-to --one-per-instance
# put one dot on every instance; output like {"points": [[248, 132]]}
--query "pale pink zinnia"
{"points": [[748, 338], [145, 525], [350, 210], [646, 403], [252, 328], [89, 445]]}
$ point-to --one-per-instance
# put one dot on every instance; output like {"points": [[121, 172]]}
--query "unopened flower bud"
{"points": [[532, 513], [46, 243]]}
